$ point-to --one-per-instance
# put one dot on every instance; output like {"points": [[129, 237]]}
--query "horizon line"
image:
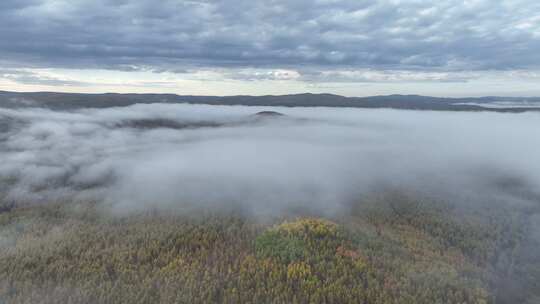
{"points": [[268, 95]]}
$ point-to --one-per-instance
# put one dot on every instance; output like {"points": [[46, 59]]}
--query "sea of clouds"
{"points": [[180, 156]]}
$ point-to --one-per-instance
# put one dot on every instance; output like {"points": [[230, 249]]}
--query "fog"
{"points": [[184, 156]]}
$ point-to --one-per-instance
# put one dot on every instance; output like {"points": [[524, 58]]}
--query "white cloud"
{"points": [[319, 158]]}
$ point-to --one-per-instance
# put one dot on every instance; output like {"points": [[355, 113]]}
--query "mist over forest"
{"points": [[280, 152], [464, 183], [320, 158]]}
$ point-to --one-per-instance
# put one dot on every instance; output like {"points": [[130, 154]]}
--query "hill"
{"points": [[412, 102]]}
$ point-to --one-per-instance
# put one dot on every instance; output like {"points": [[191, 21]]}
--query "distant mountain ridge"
{"points": [[412, 102]]}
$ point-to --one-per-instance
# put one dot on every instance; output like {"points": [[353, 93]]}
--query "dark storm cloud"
{"points": [[386, 34]]}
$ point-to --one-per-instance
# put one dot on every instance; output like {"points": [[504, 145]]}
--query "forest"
{"points": [[391, 247]]}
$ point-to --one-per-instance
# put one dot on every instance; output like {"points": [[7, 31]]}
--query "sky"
{"points": [[348, 47]]}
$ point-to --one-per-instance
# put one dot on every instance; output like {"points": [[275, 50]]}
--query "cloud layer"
{"points": [[183, 156], [444, 35]]}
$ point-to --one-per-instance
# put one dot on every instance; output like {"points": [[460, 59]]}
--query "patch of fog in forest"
{"points": [[181, 156]]}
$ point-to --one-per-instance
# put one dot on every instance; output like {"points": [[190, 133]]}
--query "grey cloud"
{"points": [[415, 35]]}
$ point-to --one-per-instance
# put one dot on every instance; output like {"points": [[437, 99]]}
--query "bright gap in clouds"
{"points": [[256, 82]]}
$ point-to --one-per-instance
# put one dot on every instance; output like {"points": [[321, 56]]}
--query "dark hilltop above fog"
{"points": [[268, 114], [411, 102]]}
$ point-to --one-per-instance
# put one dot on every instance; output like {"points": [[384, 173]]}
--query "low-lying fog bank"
{"points": [[160, 155]]}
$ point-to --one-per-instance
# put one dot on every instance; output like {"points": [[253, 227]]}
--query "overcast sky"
{"points": [[349, 47]]}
